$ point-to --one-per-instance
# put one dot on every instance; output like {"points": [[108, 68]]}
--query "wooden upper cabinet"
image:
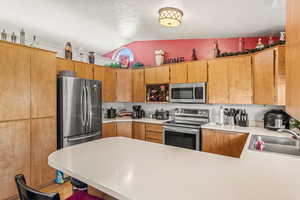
{"points": [[139, 131], [109, 85], [138, 85], [64, 64], [14, 82], [179, 73], [124, 85], [223, 142], [43, 84], [163, 74], [292, 58], [124, 129], [280, 75], [43, 143], [264, 70], [218, 92], [157, 75], [14, 155], [240, 80], [99, 72], [84, 70], [109, 130], [150, 75], [197, 72]]}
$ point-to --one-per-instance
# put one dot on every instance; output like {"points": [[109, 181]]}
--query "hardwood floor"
{"points": [[65, 190]]}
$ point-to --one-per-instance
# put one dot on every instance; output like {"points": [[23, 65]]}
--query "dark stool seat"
{"points": [[27, 193]]}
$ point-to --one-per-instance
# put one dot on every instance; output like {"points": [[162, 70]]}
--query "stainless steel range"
{"points": [[185, 129]]}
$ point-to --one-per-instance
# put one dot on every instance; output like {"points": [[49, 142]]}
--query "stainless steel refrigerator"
{"points": [[79, 110]]}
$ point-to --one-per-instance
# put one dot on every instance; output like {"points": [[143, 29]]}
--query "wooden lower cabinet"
{"points": [[154, 133], [223, 142], [14, 155], [138, 130], [109, 130], [43, 143], [124, 129]]}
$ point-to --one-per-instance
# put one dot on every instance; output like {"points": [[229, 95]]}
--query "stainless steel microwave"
{"points": [[188, 93]]}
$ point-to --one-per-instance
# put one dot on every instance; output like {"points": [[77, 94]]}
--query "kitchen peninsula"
{"points": [[126, 168]]}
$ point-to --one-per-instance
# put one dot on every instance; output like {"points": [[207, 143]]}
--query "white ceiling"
{"points": [[104, 25]]}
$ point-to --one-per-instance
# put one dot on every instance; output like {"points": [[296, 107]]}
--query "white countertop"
{"points": [[137, 170], [129, 119]]}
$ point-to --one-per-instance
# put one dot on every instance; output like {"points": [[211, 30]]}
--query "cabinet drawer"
{"points": [[154, 140], [154, 135], [154, 128]]}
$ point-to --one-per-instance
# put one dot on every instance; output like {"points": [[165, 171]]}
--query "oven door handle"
{"points": [[182, 130]]}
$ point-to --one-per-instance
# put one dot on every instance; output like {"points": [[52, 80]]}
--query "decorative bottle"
{"points": [[216, 49], [3, 35], [260, 45], [22, 37], [68, 51]]}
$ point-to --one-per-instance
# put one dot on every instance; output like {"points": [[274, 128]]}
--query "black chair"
{"points": [[27, 193]]}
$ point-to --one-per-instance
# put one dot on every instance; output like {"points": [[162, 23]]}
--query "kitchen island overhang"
{"points": [[131, 169]]}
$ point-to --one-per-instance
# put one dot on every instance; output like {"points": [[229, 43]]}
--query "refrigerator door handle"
{"points": [[82, 106], [85, 105], [82, 137], [89, 108]]}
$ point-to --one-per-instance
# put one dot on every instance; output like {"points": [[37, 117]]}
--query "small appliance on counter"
{"points": [[138, 112], [276, 119], [111, 113], [161, 114]]}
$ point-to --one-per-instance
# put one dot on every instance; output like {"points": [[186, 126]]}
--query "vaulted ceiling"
{"points": [[103, 25]]}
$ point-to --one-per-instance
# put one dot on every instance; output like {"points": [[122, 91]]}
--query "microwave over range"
{"points": [[188, 93]]}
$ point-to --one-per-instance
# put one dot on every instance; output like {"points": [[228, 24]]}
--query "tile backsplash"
{"points": [[255, 112]]}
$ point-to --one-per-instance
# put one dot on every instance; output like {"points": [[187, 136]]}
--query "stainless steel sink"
{"points": [[274, 144]]}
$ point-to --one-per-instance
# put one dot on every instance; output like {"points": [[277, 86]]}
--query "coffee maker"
{"points": [[138, 112], [276, 119]]}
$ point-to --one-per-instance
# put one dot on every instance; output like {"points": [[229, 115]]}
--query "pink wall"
{"points": [[144, 50]]}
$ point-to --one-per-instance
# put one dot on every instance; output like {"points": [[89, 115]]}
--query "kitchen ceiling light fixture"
{"points": [[170, 17]]}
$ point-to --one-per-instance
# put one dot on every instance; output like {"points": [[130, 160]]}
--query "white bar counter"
{"points": [[129, 169]]}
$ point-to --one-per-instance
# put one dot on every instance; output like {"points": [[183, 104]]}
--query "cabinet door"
{"points": [[138, 130], [154, 133], [150, 75], [84, 70], [218, 81], [124, 129], [240, 80], [109, 130], [223, 143], [162, 74], [280, 75], [292, 58], [64, 64], [109, 86], [43, 143], [138, 84], [43, 84], [178, 73], [263, 68], [197, 72], [14, 82], [14, 155], [99, 75], [124, 85]]}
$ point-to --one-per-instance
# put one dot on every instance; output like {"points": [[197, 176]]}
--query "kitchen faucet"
{"points": [[293, 133]]}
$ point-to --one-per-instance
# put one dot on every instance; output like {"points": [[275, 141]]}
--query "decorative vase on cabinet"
{"points": [[159, 57]]}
